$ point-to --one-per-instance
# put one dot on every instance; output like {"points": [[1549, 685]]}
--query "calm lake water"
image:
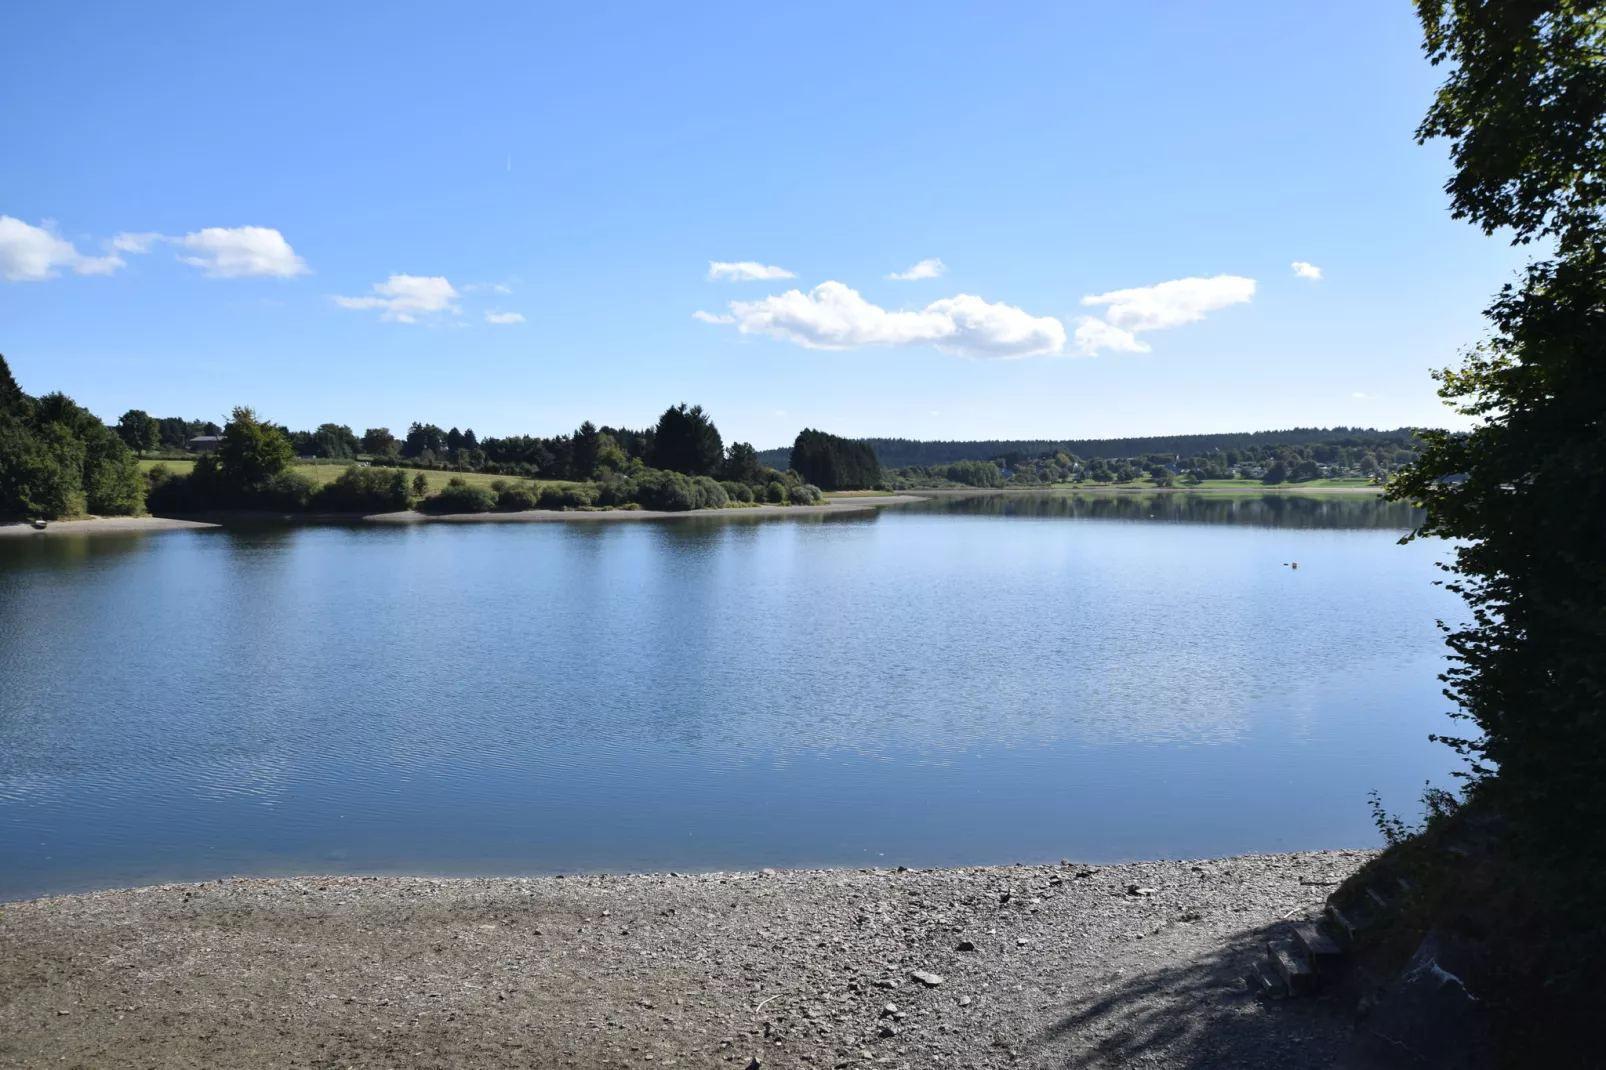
{"points": [[971, 681]]}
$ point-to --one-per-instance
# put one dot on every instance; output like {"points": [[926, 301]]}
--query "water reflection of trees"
{"points": [[1259, 510]]}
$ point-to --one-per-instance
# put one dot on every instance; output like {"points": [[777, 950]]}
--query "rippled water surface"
{"points": [[981, 680]]}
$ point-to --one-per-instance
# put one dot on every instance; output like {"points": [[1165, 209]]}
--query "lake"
{"points": [[974, 680]]}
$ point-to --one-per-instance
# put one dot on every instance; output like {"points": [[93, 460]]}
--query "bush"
{"points": [[459, 497], [284, 492], [665, 491], [579, 496], [514, 497], [775, 493], [805, 494], [738, 492], [709, 494], [366, 490]]}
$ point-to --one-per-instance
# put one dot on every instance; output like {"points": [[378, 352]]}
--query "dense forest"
{"points": [[835, 463], [1343, 453], [58, 459], [904, 452]]}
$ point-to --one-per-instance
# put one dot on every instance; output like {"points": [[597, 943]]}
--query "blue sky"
{"points": [[318, 210]]}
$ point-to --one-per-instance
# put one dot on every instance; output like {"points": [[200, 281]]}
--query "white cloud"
{"points": [[503, 317], [709, 317], [29, 253], [406, 297], [240, 252], [1156, 308], [135, 243], [1363, 396], [926, 269], [488, 287], [1093, 335], [746, 271], [835, 316], [1307, 271]]}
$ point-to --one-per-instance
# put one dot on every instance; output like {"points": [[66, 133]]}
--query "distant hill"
{"points": [[900, 452]]}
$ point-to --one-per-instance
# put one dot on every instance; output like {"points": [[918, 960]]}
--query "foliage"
{"points": [[1524, 108], [366, 490], [514, 497], [251, 452], [804, 494], [1523, 494], [687, 441], [585, 450], [741, 463], [833, 462], [379, 442], [139, 430], [903, 453], [58, 460], [738, 491], [459, 497], [572, 497]]}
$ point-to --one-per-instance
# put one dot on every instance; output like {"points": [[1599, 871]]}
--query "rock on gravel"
{"points": [[789, 969]]}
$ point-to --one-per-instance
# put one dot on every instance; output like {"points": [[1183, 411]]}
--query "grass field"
{"points": [[330, 470]]}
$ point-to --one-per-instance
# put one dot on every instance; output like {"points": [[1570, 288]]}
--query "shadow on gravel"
{"points": [[1196, 1015]]}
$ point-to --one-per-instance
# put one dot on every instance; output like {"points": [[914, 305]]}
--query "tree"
{"points": [[1523, 492], [584, 450], [834, 463], [741, 463], [139, 430], [251, 451], [687, 441], [335, 441], [57, 459], [379, 442], [421, 437], [454, 439]]}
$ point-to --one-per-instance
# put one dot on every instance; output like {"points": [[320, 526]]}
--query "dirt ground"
{"points": [[1069, 968]]}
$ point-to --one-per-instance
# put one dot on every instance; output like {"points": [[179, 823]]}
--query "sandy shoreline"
{"points": [[101, 525], [795, 968], [123, 525]]}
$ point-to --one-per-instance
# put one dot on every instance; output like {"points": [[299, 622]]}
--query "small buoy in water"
{"points": [[1294, 565]]}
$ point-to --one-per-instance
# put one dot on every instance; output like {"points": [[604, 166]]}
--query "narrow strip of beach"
{"points": [[998, 966], [125, 525]]}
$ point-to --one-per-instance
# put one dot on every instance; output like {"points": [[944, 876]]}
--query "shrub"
{"points": [[805, 494], [366, 490], [738, 492], [283, 492], [514, 497], [666, 491], [775, 492], [459, 497], [578, 496], [708, 494]]}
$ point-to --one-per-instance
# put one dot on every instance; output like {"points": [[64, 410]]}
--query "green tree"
{"points": [[741, 463], [378, 442], [139, 430], [252, 451], [1524, 492], [585, 450], [687, 441]]}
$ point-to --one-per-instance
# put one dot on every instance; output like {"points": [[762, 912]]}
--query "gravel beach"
{"points": [[1004, 966]]}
